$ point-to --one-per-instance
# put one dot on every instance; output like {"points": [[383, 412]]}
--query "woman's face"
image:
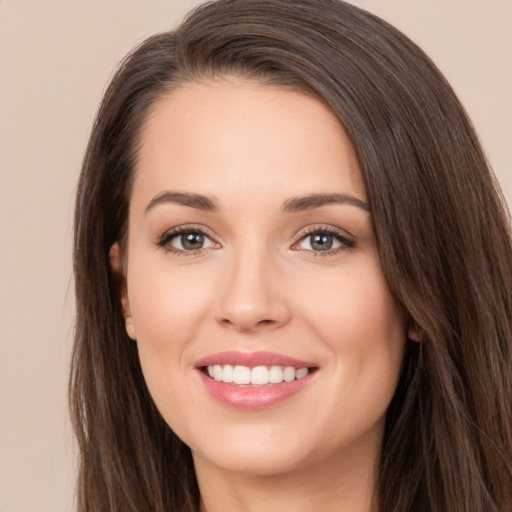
{"points": [[251, 257]]}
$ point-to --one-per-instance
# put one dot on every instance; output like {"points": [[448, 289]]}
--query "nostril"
{"points": [[246, 325]]}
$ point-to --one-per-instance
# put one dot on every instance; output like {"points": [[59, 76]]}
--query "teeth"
{"points": [[217, 372], [242, 375], [301, 373], [276, 374], [259, 375], [289, 374], [227, 373]]}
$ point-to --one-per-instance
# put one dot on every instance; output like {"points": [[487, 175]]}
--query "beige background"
{"points": [[55, 60]]}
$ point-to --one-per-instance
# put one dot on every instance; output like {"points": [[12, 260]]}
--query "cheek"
{"points": [[356, 317], [167, 308], [167, 303], [355, 306]]}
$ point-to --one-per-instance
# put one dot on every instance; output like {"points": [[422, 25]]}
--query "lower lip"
{"points": [[253, 397]]}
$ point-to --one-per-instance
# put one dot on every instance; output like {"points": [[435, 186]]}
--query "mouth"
{"points": [[255, 380], [241, 375]]}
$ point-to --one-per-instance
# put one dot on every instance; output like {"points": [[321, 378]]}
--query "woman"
{"points": [[293, 276]]}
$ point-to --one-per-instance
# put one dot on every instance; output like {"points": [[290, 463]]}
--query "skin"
{"points": [[258, 284]]}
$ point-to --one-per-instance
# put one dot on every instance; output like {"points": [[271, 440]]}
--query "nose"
{"points": [[252, 295]]}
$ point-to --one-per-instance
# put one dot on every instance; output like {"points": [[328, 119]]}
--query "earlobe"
{"points": [[413, 333], [116, 264]]}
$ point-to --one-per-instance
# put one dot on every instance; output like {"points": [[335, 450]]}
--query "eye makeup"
{"points": [[324, 241], [192, 240], [184, 240]]}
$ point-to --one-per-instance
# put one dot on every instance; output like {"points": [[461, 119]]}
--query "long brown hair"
{"points": [[443, 236]]}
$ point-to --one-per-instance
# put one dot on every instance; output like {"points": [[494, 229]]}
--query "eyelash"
{"points": [[165, 238], [346, 243]]}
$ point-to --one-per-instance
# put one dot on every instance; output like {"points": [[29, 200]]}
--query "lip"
{"points": [[251, 397], [253, 359]]}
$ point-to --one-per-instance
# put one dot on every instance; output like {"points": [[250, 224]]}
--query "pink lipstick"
{"points": [[254, 380]]}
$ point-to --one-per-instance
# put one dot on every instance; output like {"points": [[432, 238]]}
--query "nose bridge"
{"points": [[250, 298]]}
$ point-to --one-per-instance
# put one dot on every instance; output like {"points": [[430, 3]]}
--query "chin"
{"points": [[254, 451], [255, 462]]}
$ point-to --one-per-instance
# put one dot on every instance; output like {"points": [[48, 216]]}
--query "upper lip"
{"points": [[252, 359]]}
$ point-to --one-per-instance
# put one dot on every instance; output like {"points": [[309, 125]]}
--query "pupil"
{"points": [[321, 242], [192, 241]]}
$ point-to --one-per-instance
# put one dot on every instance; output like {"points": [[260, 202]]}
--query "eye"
{"points": [[319, 242], [186, 240], [326, 241]]}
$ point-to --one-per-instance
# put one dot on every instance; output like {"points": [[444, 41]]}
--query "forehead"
{"points": [[238, 137]]}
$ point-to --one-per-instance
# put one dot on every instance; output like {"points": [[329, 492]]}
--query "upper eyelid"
{"points": [[302, 232], [183, 228], [319, 228]]}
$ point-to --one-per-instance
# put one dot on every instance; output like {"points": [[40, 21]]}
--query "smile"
{"points": [[259, 375], [254, 381]]}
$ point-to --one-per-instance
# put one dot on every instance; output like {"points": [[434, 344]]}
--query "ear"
{"points": [[413, 333], [116, 264]]}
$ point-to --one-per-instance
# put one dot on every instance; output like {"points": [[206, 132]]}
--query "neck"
{"points": [[327, 486]]}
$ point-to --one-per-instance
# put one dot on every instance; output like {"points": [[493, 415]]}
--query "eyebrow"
{"points": [[311, 201], [197, 201], [293, 205]]}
